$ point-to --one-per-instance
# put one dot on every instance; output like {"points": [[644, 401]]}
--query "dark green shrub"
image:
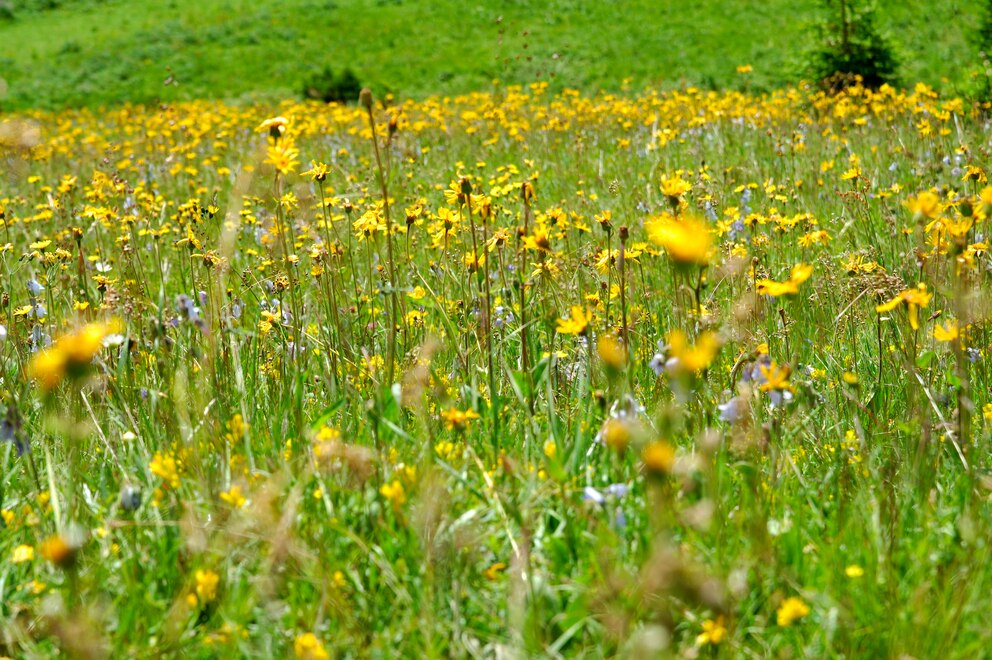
{"points": [[333, 87], [980, 87], [852, 48]]}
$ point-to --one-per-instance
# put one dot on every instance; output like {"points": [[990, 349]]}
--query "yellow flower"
{"points": [[274, 126], [282, 157], [393, 492], [713, 632], [854, 571], [687, 240], [947, 332], [926, 205], [71, 355], [776, 377], [165, 467], [674, 187], [57, 550], [494, 571], [576, 324], [550, 449], [308, 647], [458, 419], [800, 273], [791, 610], [234, 497], [914, 299], [206, 586], [22, 553], [692, 359], [658, 457]]}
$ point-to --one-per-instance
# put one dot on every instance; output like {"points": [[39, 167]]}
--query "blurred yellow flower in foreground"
{"points": [[71, 355], [791, 610], [687, 240]]}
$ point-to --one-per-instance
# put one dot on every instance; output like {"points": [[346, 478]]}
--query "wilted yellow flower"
{"points": [[494, 571], [274, 126], [57, 550]]}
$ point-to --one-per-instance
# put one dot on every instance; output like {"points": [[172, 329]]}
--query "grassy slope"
{"points": [[119, 50]]}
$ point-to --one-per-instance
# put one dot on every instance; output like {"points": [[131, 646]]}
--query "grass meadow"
{"points": [[491, 370], [509, 373]]}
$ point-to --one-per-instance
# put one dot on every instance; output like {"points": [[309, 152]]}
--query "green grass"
{"points": [[868, 500], [91, 54]]}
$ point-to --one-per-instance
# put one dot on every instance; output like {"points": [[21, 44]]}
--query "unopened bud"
{"points": [[365, 98]]}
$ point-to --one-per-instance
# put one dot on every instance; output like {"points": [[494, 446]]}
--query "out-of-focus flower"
{"points": [[791, 610], [686, 240]]}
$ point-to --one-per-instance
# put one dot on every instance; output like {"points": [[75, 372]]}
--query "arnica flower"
{"points": [[948, 332], [673, 188], [458, 419], [274, 126], [800, 273], [791, 610], [658, 457], [394, 492], [925, 205], [686, 358], [775, 381], [687, 240], [713, 632], [308, 647], [282, 157], [494, 571], [71, 355], [234, 497], [59, 551], [914, 299], [206, 588], [21, 554], [576, 324], [317, 171]]}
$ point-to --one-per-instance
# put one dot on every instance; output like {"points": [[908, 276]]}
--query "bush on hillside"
{"points": [[333, 87], [852, 48]]}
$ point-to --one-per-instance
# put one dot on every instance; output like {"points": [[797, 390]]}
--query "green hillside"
{"points": [[91, 52]]}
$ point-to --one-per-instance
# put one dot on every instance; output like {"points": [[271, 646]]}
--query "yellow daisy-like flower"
{"points": [[576, 324], [686, 240], [791, 610]]}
